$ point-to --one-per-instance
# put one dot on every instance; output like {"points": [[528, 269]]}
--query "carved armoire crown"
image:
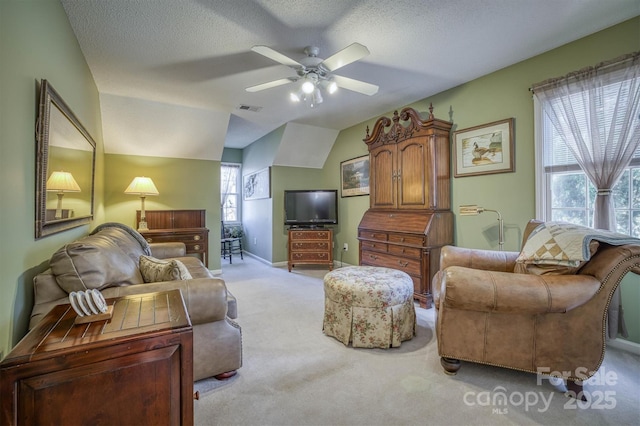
{"points": [[409, 218]]}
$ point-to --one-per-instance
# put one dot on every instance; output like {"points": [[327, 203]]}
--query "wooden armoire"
{"points": [[409, 219]]}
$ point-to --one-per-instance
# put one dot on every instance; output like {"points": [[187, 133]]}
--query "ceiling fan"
{"points": [[317, 73]]}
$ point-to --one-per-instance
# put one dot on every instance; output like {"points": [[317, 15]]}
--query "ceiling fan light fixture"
{"points": [[294, 96], [332, 87], [317, 96], [308, 87]]}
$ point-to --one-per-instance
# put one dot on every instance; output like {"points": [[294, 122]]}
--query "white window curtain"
{"points": [[596, 111], [228, 179]]}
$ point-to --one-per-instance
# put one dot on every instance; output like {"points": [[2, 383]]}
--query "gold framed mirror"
{"points": [[65, 166]]}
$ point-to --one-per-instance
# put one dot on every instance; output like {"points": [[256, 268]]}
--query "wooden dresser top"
{"points": [[56, 334]]}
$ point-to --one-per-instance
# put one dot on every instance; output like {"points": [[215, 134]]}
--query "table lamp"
{"points": [[474, 210], [142, 186], [61, 182]]}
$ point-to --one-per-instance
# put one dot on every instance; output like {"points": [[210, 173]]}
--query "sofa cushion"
{"points": [[89, 262], [156, 270]]}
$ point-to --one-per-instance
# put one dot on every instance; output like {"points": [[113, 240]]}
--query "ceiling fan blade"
{"points": [[269, 85], [349, 54], [356, 85], [276, 56]]}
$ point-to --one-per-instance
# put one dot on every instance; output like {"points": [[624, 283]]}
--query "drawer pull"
{"points": [[196, 247], [403, 264], [371, 256], [196, 237], [149, 240]]}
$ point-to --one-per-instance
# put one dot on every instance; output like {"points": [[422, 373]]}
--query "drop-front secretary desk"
{"points": [[184, 226], [409, 218]]}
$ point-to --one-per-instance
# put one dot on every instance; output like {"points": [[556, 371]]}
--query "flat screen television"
{"points": [[311, 207]]}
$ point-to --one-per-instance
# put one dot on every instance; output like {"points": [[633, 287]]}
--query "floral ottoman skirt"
{"points": [[371, 307]]}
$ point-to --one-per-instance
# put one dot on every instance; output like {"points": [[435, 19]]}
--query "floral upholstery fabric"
{"points": [[371, 307], [157, 270]]}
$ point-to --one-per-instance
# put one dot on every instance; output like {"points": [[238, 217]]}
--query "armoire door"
{"points": [[382, 180], [413, 171]]}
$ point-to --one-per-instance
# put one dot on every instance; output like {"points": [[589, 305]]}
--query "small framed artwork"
{"points": [[257, 185], [485, 149], [354, 175]]}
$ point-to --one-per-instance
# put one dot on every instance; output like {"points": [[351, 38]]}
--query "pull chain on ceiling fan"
{"points": [[317, 73]]}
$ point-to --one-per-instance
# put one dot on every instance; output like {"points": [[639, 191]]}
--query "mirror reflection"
{"points": [[66, 157]]}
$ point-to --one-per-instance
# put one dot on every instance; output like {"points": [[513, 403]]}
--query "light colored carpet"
{"points": [[295, 375]]}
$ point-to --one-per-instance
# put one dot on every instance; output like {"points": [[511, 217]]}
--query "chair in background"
{"points": [[231, 241], [541, 323]]}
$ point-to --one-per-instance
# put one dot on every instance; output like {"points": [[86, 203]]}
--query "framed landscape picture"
{"points": [[354, 175], [257, 185], [484, 149]]}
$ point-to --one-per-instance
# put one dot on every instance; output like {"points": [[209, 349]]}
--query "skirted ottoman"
{"points": [[369, 306]]}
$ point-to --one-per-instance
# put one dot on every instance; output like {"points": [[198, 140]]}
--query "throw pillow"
{"points": [[156, 270]]}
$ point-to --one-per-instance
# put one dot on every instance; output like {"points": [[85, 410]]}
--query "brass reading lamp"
{"points": [[61, 182], [474, 210], [142, 186]]}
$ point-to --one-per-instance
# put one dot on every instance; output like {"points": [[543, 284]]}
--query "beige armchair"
{"points": [[548, 324]]}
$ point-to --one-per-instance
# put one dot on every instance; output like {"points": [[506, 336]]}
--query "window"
{"points": [[230, 192], [564, 192]]}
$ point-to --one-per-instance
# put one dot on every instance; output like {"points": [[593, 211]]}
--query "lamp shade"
{"points": [[470, 210], [62, 182], [142, 186]]}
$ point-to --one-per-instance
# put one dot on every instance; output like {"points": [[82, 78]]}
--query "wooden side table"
{"points": [[136, 368], [310, 246]]}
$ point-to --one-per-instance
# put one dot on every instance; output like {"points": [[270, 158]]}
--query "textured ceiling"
{"points": [[172, 73]]}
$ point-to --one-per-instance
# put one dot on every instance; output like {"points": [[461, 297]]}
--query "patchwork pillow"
{"points": [[156, 270]]}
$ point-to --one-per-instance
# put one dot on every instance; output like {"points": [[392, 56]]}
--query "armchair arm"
{"points": [[492, 291], [168, 250], [487, 260]]}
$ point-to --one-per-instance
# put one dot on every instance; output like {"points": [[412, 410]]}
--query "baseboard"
{"points": [[625, 345], [261, 260], [336, 263]]}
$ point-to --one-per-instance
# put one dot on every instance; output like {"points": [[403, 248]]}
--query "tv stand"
{"points": [[310, 247]]}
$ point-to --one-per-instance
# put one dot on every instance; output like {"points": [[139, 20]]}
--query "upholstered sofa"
{"points": [[551, 321], [110, 260]]}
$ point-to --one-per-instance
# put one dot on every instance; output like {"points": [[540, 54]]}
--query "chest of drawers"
{"points": [[196, 240], [310, 246]]}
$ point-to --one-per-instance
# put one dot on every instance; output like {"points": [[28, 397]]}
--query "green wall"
{"points": [[36, 42], [258, 215], [182, 184], [231, 155]]}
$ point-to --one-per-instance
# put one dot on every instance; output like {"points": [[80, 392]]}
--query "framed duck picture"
{"points": [[485, 149]]}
